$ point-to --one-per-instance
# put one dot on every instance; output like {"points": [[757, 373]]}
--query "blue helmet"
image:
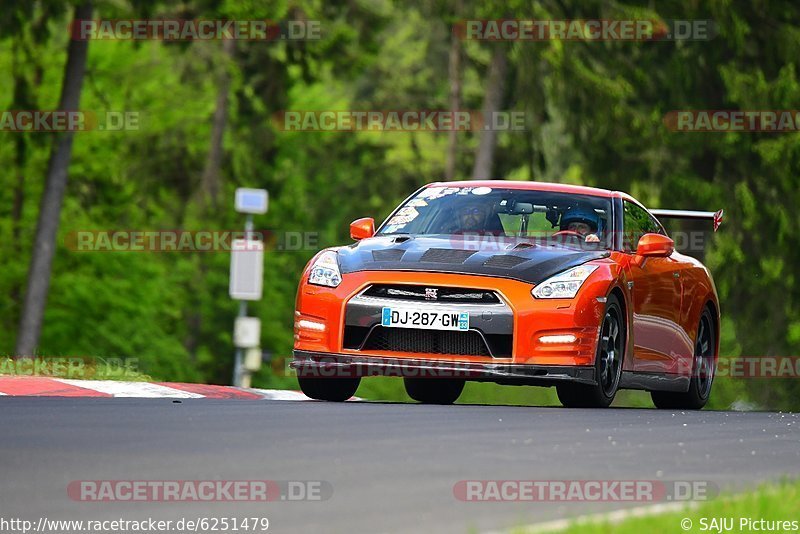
{"points": [[581, 214]]}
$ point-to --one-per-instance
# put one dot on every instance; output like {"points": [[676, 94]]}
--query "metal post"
{"points": [[237, 364], [248, 226]]}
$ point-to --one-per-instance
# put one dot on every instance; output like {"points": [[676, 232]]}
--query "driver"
{"points": [[581, 220], [478, 217]]}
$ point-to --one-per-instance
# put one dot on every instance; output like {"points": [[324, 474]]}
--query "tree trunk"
{"points": [[454, 75], [208, 193], [210, 183], [492, 101], [52, 198], [22, 99]]}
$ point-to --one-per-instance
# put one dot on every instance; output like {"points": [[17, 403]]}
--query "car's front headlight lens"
{"points": [[564, 285], [325, 270]]}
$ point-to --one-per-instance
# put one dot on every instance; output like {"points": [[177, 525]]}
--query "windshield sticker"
{"points": [[409, 211], [399, 220], [404, 216], [481, 191], [432, 192], [417, 203]]}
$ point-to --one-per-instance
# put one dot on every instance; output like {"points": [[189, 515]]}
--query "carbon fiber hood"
{"points": [[504, 258]]}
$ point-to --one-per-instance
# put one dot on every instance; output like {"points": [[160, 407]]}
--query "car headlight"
{"points": [[563, 285], [325, 270]]}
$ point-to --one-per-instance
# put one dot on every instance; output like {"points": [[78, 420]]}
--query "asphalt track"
{"points": [[392, 467]]}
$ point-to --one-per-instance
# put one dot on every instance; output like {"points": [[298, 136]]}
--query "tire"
{"points": [[609, 358], [434, 390], [329, 389], [702, 371]]}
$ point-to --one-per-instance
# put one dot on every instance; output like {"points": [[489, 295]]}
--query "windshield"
{"points": [[537, 216]]}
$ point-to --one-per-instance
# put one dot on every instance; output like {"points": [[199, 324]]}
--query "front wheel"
{"points": [[329, 389], [608, 364], [702, 372], [434, 390]]}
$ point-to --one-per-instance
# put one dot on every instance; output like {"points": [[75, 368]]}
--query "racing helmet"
{"points": [[582, 214]]}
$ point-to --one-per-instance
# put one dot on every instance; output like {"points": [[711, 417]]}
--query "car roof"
{"points": [[530, 186]]}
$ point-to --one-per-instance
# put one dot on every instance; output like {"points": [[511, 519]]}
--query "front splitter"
{"points": [[332, 365]]}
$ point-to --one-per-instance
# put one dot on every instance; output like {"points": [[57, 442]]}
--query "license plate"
{"points": [[425, 318]]}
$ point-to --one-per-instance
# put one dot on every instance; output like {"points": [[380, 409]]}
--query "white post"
{"points": [[246, 274]]}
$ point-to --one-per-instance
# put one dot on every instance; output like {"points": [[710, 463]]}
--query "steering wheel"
{"points": [[568, 233]]}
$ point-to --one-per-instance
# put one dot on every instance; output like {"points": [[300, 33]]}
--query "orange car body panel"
{"points": [[663, 308]]}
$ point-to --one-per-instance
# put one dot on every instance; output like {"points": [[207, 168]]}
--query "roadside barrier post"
{"points": [[246, 279]]}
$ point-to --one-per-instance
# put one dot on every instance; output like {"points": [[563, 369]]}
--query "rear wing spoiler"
{"points": [[715, 216]]}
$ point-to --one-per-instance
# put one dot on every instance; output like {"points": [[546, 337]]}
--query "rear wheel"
{"points": [[329, 389], [702, 372], [608, 364], [434, 390]]}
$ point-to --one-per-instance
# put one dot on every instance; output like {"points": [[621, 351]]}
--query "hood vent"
{"points": [[392, 254], [446, 255], [504, 261]]}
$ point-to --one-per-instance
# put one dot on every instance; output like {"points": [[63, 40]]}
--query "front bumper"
{"points": [[528, 319], [331, 365]]}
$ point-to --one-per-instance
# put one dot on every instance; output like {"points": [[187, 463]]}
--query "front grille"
{"points": [[467, 343], [426, 293]]}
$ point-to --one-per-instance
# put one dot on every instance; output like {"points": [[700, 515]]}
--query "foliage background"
{"points": [[594, 112]]}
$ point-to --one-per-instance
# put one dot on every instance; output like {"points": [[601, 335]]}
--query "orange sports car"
{"points": [[518, 283]]}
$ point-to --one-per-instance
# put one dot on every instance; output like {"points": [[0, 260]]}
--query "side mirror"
{"points": [[362, 228], [655, 245]]}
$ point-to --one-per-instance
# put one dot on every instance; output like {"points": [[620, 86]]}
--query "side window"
{"points": [[636, 222]]}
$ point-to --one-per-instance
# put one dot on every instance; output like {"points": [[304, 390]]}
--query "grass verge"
{"points": [[770, 508]]}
